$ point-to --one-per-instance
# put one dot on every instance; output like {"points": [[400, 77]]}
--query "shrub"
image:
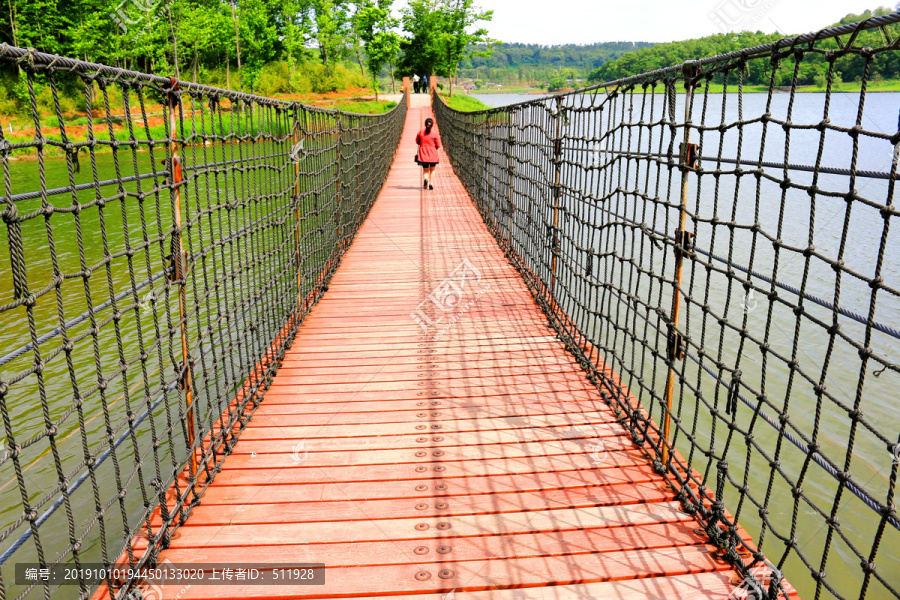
{"points": [[312, 77], [556, 83], [274, 78]]}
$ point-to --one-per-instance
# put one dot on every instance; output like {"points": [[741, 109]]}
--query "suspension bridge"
{"points": [[615, 352]]}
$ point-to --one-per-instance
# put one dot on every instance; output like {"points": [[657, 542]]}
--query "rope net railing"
{"points": [[721, 261], [158, 255]]}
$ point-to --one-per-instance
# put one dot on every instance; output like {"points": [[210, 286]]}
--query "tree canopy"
{"points": [[442, 33], [375, 26]]}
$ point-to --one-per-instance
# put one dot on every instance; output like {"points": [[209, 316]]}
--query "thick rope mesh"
{"points": [[151, 278], [722, 263]]}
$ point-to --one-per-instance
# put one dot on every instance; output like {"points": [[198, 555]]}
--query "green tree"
{"points": [[94, 34], [354, 32], [455, 41], [39, 23], [330, 21], [375, 26], [296, 31], [259, 37], [422, 22], [203, 28]]}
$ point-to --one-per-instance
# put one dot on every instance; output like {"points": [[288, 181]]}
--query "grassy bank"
{"points": [[227, 123], [464, 103], [364, 107]]}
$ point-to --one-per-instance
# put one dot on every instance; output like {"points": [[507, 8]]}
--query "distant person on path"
{"points": [[425, 84], [416, 86], [428, 142]]}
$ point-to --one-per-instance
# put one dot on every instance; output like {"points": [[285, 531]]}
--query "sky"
{"points": [[551, 22]]}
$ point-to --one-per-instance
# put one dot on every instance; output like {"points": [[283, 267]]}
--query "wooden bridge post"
{"points": [[405, 91], [179, 262], [682, 247]]}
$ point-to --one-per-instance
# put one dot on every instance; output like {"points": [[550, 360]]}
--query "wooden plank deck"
{"points": [[475, 464]]}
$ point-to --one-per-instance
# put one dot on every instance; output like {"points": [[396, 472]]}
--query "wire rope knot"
{"points": [[170, 95]]}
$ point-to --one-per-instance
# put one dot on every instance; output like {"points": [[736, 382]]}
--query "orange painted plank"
{"points": [[475, 575], [262, 428], [260, 510], [548, 436], [699, 585], [449, 419], [425, 355], [376, 529], [486, 406], [415, 472], [362, 393], [450, 447], [554, 543], [438, 370], [371, 490], [405, 359]]}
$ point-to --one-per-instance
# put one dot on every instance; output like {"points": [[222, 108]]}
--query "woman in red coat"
{"points": [[428, 142]]}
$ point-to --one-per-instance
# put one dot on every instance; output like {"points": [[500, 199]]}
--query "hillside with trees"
{"points": [[813, 68], [534, 64]]}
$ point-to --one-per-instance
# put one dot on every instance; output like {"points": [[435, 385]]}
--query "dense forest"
{"points": [[813, 69], [265, 46], [529, 64]]}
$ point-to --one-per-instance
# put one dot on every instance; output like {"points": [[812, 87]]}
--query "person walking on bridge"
{"points": [[416, 85], [429, 144]]}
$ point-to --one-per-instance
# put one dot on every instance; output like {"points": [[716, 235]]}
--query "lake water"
{"points": [[242, 285], [605, 259], [494, 100]]}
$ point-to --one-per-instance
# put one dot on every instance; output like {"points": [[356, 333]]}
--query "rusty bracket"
{"points": [[183, 372], [175, 173], [176, 269], [553, 234], [689, 155], [169, 96], [675, 348], [684, 243], [691, 70]]}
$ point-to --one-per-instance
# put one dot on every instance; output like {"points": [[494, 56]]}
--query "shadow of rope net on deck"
{"points": [[723, 265]]}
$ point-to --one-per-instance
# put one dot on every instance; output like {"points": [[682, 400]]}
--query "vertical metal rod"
{"points": [[679, 264], [557, 154], [297, 235], [356, 161], [181, 276], [339, 208], [512, 193]]}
